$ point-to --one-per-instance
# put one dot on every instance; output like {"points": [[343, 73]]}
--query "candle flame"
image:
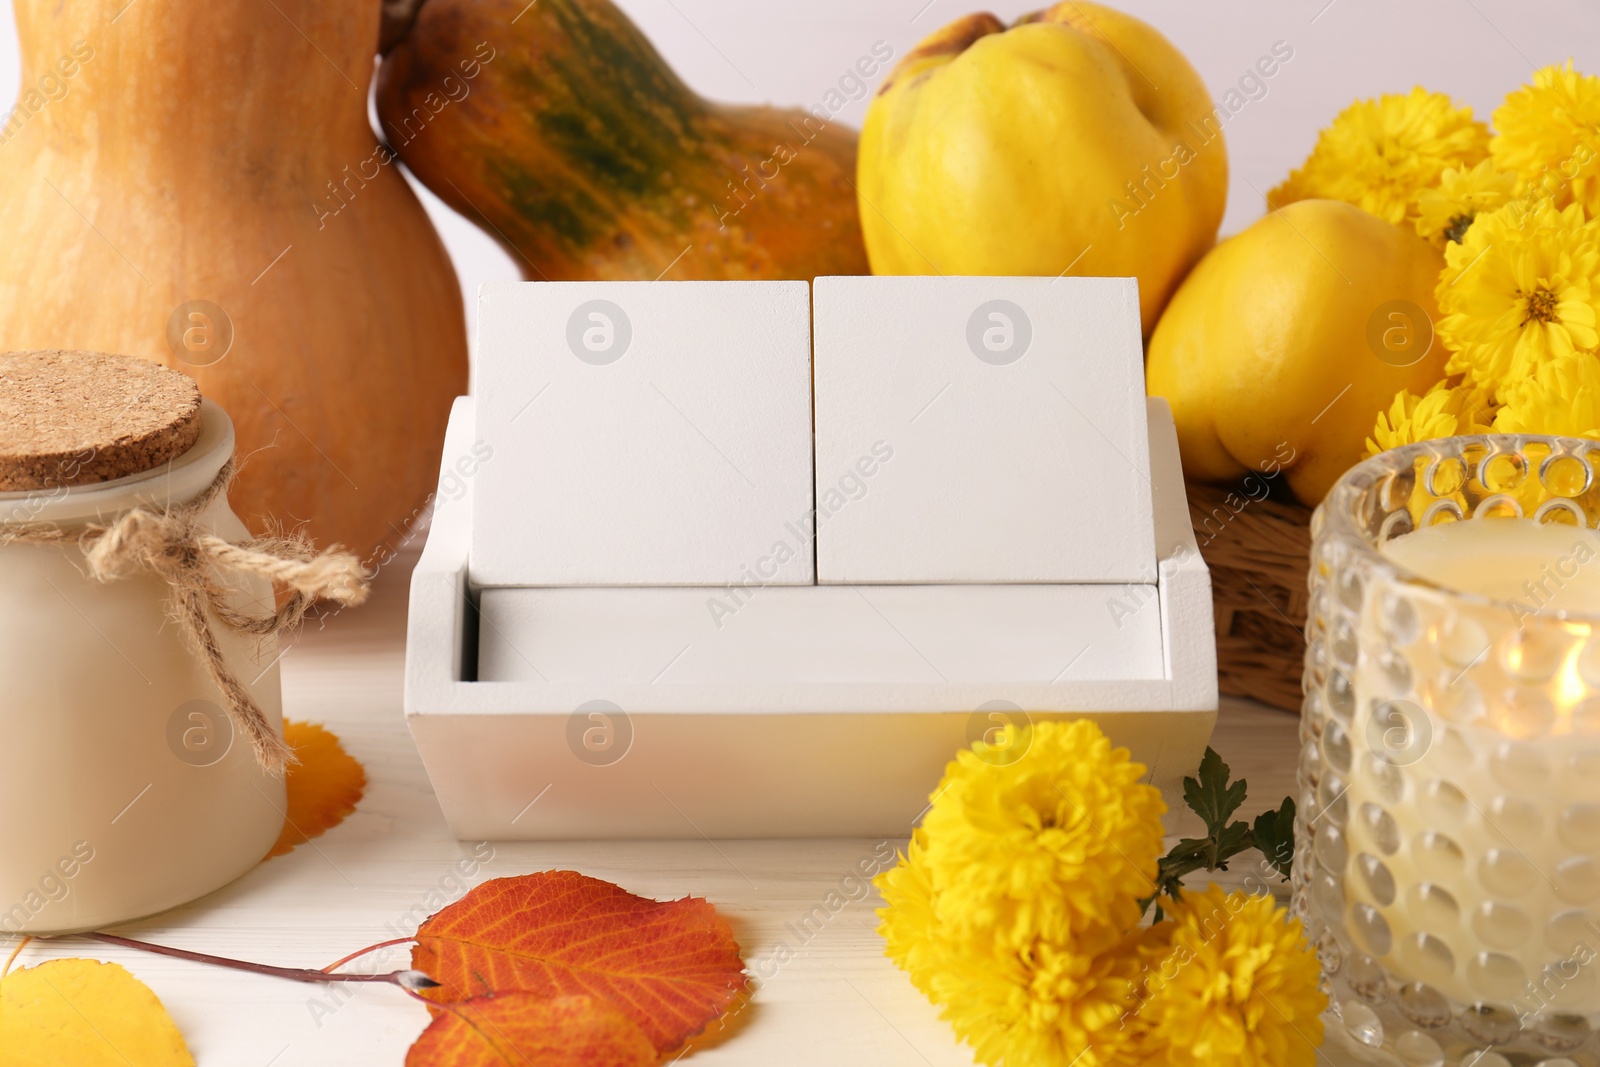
{"points": [[1570, 687]]}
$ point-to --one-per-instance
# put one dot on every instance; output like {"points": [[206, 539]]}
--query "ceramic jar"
{"points": [[124, 788]]}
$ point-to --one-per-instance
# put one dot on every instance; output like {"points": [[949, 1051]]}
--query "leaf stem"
{"points": [[404, 979], [358, 953], [14, 954]]}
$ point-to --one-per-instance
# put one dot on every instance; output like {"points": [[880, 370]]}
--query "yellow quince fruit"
{"points": [[1078, 141], [1283, 344]]}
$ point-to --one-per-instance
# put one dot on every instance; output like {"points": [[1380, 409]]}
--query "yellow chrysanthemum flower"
{"points": [[1237, 985], [1562, 397], [1033, 1005], [1016, 905], [1443, 214], [1522, 288], [1379, 154], [1050, 843], [1548, 134], [1045, 1005], [1445, 410], [1015, 908], [908, 922]]}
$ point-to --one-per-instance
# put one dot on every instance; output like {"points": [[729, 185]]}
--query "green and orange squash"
{"points": [[560, 130]]}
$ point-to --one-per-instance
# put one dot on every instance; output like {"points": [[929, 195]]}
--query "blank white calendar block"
{"points": [[981, 430], [643, 433]]}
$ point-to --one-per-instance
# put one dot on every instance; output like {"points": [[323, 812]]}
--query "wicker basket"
{"points": [[1258, 552]]}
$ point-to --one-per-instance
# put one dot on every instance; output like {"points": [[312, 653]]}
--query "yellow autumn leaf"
{"points": [[85, 1013], [323, 787]]}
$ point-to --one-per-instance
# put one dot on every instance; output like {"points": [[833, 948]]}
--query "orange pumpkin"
{"points": [[198, 184], [564, 134]]}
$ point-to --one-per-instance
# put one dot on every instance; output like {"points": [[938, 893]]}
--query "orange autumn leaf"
{"points": [[528, 1030], [323, 787], [671, 966]]}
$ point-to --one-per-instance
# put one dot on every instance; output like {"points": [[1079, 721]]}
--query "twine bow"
{"points": [[171, 543]]}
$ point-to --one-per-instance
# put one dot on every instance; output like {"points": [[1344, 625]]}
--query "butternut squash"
{"points": [[198, 184], [560, 130]]}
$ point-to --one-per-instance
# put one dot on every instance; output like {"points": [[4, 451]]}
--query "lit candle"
{"points": [[1472, 832]]}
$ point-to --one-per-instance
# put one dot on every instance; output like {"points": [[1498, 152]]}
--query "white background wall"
{"points": [[793, 53]]}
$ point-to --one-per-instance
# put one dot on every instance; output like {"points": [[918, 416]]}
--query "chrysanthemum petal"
{"points": [[1380, 154]]}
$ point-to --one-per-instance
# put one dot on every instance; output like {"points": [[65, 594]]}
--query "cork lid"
{"points": [[77, 418]]}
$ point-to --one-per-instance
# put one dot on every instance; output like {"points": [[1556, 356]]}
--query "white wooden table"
{"points": [[838, 1000]]}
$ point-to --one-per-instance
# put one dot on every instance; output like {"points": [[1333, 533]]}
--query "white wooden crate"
{"points": [[557, 703]]}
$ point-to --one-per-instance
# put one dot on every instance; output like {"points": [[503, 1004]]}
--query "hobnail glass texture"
{"points": [[1448, 830]]}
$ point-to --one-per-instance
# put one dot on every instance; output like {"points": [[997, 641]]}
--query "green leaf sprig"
{"points": [[1215, 799]]}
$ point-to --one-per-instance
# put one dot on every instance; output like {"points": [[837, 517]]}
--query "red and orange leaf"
{"points": [[527, 1030], [323, 787], [671, 966]]}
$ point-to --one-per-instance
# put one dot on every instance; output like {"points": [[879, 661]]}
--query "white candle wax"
{"points": [[1545, 567], [1474, 854]]}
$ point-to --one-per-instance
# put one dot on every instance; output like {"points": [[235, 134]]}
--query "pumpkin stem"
{"points": [[398, 18]]}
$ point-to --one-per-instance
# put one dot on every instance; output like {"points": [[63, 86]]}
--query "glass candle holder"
{"points": [[1447, 859]]}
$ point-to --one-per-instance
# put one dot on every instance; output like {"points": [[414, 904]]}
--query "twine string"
{"points": [[172, 543]]}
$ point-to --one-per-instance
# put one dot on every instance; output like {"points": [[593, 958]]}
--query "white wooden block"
{"points": [[1002, 420], [866, 637], [643, 433]]}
